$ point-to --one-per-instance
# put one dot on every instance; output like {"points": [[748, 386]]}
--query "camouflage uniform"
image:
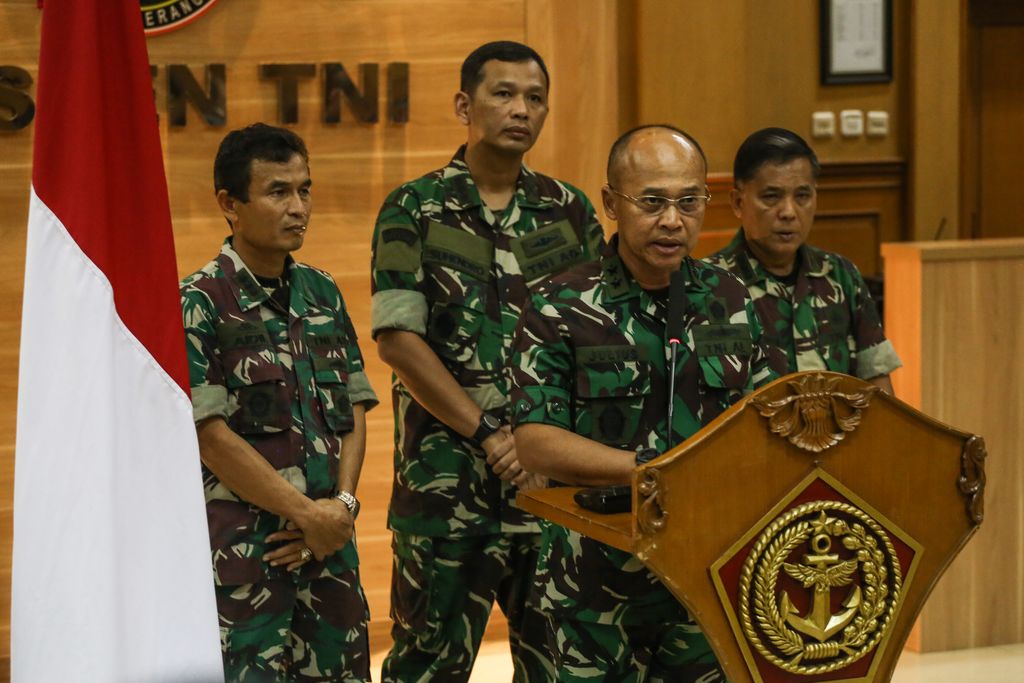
{"points": [[449, 269], [285, 381], [591, 357], [825, 321]]}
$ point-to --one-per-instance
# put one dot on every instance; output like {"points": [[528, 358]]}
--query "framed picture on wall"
{"points": [[856, 41]]}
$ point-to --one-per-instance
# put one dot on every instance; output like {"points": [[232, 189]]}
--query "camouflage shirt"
{"points": [[285, 381], [825, 321], [591, 356], [448, 268]]}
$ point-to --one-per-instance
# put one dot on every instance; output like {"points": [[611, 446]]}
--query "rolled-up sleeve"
{"points": [[205, 373]]}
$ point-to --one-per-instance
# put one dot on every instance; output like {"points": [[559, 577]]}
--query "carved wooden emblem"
{"points": [[972, 477], [815, 416], [651, 516]]}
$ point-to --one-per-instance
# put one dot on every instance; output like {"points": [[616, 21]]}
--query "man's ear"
{"points": [[228, 206], [608, 200], [462, 101], [736, 202]]}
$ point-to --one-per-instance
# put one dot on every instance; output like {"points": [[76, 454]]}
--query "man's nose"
{"points": [[519, 107], [671, 218], [298, 205], [787, 208]]}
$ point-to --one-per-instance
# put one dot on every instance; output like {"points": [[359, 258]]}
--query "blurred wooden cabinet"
{"points": [[953, 311]]}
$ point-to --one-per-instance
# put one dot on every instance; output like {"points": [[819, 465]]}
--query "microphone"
{"points": [[676, 307], [674, 331]]}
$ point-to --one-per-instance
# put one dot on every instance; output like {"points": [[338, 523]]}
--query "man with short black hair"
{"points": [[279, 396], [590, 396], [816, 310], [453, 255]]}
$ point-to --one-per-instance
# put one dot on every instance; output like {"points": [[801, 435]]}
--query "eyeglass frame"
{"points": [[636, 201]]}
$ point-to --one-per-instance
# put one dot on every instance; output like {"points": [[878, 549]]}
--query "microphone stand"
{"points": [[674, 345]]}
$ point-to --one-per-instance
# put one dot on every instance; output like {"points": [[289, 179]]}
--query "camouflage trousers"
{"points": [[285, 630], [442, 591], [613, 653]]}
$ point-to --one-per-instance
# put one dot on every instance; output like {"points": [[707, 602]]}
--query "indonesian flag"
{"points": [[112, 579]]}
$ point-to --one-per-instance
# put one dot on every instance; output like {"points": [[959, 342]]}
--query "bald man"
{"points": [[590, 395]]}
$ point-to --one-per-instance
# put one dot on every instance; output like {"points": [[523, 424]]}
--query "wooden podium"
{"points": [[803, 528]]}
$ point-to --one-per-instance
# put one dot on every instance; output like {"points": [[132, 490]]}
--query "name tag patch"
{"points": [[591, 355], [459, 250], [550, 249], [722, 340], [242, 334]]}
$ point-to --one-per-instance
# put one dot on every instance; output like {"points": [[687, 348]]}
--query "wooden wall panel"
{"points": [[722, 70], [933, 147], [1001, 139]]}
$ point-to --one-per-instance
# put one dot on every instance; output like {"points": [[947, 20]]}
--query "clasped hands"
{"points": [[323, 527], [500, 449]]}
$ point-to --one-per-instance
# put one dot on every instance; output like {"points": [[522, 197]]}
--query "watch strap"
{"points": [[349, 500], [488, 425]]}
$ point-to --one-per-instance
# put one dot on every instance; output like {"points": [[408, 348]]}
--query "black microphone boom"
{"points": [[674, 332], [676, 306]]}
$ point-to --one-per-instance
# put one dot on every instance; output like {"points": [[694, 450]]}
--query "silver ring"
{"points": [[306, 554]]}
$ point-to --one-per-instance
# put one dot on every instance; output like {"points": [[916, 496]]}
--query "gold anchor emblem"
{"points": [[820, 640], [824, 571]]}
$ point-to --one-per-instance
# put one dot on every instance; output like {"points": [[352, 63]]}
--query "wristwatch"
{"points": [[350, 502], [489, 424], [645, 455]]}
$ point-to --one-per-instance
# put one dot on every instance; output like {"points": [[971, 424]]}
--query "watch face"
{"points": [[490, 422]]}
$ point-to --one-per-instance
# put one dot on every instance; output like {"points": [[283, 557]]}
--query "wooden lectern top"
{"points": [[803, 528]]}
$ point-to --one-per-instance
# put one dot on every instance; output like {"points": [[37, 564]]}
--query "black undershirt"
{"points": [[789, 280], [277, 288]]}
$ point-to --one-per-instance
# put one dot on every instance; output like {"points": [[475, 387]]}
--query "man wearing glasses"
{"points": [[816, 310], [590, 395]]}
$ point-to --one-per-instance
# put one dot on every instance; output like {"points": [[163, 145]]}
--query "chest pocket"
{"points": [[458, 264], [327, 351], [453, 328], [550, 249], [724, 352], [257, 392], [612, 383]]}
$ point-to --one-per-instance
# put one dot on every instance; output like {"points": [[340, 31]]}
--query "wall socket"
{"points": [[823, 124], [878, 124], [851, 123]]}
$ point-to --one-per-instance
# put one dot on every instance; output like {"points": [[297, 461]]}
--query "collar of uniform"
{"points": [[247, 290], [621, 284], [813, 261], [302, 297], [460, 192], [529, 192], [750, 270]]}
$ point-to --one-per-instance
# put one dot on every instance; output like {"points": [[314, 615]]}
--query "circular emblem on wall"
{"points": [[161, 16], [819, 588]]}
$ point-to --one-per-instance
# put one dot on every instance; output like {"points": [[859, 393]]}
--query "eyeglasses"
{"points": [[691, 204]]}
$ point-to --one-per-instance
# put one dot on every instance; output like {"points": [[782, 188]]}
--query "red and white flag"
{"points": [[112, 578]]}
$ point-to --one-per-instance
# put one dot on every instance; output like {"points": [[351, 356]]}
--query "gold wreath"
{"points": [[863, 634]]}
